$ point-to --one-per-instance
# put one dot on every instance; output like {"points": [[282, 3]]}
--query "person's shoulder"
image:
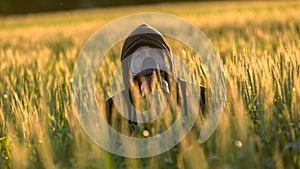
{"points": [[201, 89], [110, 104], [183, 82], [118, 94]]}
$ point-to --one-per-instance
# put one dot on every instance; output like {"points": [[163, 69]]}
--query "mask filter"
{"points": [[162, 84]]}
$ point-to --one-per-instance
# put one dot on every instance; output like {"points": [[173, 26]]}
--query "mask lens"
{"points": [[146, 60]]}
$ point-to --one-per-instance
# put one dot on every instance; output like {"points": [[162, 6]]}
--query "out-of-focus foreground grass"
{"points": [[257, 41]]}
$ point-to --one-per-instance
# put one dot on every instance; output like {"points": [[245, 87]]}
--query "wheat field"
{"points": [[258, 42]]}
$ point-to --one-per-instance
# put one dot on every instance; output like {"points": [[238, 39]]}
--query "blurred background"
{"points": [[30, 6]]}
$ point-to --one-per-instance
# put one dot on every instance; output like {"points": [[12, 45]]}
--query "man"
{"points": [[147, 66]]}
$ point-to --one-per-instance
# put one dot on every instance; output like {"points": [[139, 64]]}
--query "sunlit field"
{"points": [[258, 42]]}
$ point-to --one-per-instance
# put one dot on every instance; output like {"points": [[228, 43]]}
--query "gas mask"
{"points": [[149, 66]]}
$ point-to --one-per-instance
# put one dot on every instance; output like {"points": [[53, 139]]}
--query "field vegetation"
{"points": [[258, 42]]}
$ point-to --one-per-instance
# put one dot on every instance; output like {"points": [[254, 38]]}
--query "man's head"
{"points": [[146, 58]]}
